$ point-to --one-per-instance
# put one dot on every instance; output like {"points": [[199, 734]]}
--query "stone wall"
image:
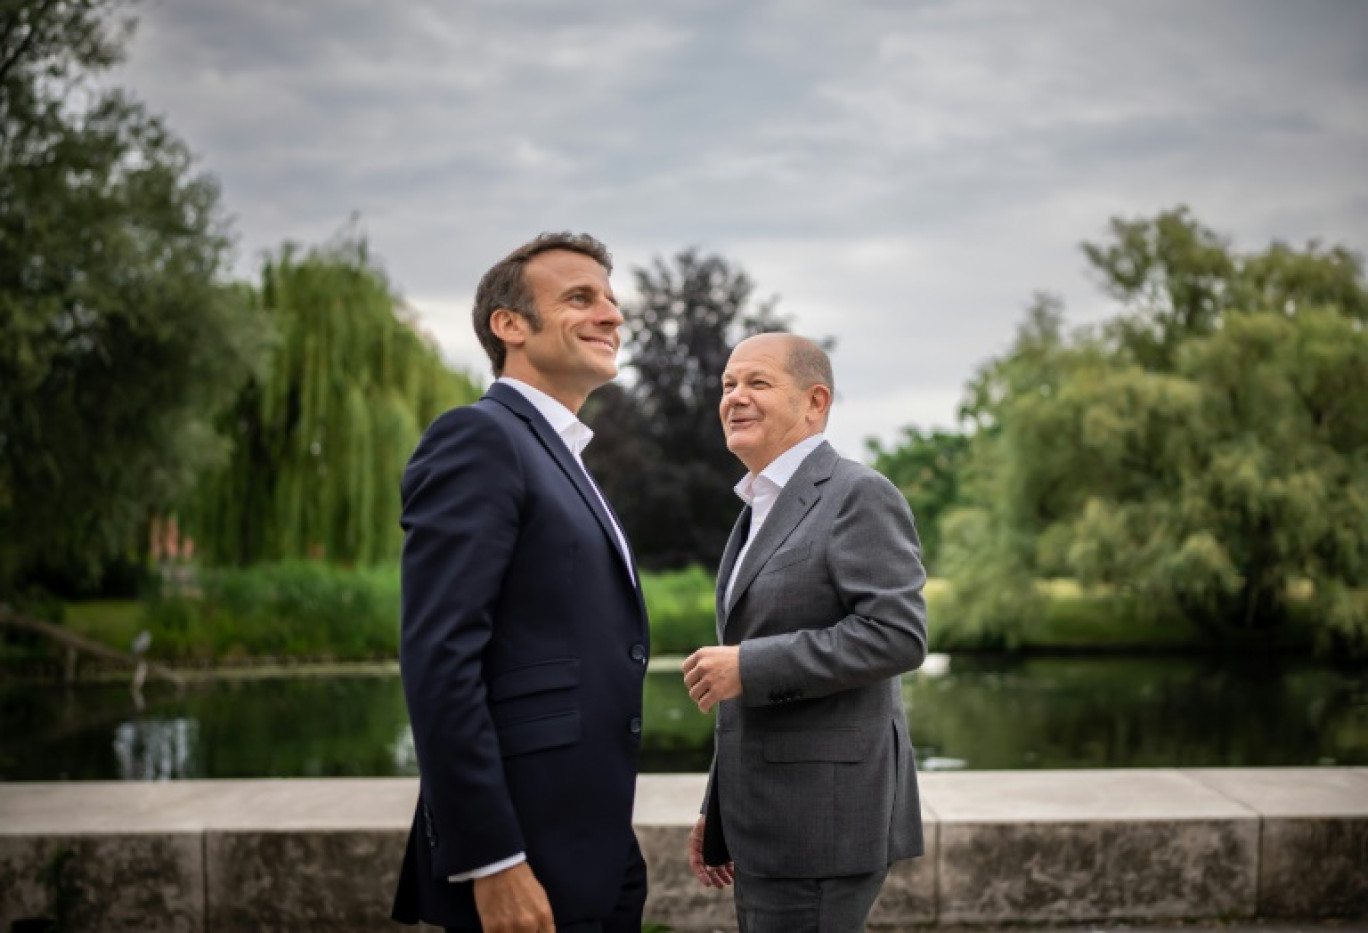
{"points": [[1001, 848]]}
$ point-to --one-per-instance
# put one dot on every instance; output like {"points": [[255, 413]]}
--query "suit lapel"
{"points": [[513, 400], [631, 554], [799, 495], [724, 570]]}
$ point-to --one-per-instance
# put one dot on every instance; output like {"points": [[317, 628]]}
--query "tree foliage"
{"points": [[1206, 448], [320, 440], [926, 467], [659, 453], [118, 340]]}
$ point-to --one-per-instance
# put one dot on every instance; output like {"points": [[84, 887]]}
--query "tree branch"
{"points": [[36, 28]]}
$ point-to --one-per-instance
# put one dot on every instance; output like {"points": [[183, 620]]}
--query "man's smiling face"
{"points": [[575, 349], [764, 410]]}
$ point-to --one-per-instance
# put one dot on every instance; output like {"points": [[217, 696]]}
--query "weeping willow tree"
{"points": [[320, 441]]}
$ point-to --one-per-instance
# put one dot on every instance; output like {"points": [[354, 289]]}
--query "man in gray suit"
{"points": [[813, 790]]}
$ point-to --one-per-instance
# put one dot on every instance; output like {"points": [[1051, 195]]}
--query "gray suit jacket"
{"points": [[813, 774]]}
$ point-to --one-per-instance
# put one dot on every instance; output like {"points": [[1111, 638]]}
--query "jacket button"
{"points": [[634, 726], [638, 652]]}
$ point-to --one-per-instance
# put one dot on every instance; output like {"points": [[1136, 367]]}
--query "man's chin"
{"points": [[601, 363], [601, 377]]}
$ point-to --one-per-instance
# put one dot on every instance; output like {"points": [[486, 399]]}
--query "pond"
{"points": [[980, 713]]}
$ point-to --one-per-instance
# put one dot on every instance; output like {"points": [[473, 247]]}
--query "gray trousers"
{"points": [[805, 905]]}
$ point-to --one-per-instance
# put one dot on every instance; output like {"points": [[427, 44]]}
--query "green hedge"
{"points": [[681, 606], [319, 611], [289, 610], [316, 611]]}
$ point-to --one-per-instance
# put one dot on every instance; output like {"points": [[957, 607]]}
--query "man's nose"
{"points": [[609, 313]]}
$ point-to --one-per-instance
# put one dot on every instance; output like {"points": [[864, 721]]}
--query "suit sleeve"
{"points": [[874, 560], [461, 495]]}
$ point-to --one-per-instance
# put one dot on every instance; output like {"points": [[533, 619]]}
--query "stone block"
{"points": [[305, 854], [1075, 872], [135, 882], [1314, 867], [1073, 846], [337, 880], [102, 855], [1313, 851]]}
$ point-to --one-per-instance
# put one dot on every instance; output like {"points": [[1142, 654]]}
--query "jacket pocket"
{"points": [[787, 557], [842, 745], [536, 706], [558, 674], [537, 735]]}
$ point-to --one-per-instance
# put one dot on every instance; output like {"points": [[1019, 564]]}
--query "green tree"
{"points": [[320, 440], [1205, 449], [926, 468], [659, 452], [119, 342], [987, 541]]}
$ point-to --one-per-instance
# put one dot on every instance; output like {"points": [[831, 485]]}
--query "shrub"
{"points": [[682, 608]]}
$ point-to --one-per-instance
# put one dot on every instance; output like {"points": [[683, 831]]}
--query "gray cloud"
{"points": [[904, 175]]}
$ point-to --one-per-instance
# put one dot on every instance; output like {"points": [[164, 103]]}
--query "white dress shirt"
{"points": [[576, 435], [761, 492]]}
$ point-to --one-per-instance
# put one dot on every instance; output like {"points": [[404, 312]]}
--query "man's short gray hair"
{"points": [[809, 364]]}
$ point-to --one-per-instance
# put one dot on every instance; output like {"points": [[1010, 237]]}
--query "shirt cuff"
{"points": [[491, 869]]}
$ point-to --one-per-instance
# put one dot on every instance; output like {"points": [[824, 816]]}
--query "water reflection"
{"points": [[1138, 712], [977, 713], [403, 753], [155, 749]]}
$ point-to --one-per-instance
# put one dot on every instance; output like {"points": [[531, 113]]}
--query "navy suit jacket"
{"points": [[523, 650]]}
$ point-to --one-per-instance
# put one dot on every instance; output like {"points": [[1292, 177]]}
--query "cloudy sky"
{"points": [[904, 175]]}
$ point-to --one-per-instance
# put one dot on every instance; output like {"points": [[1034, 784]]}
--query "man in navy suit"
{"points": [[524, 637]]}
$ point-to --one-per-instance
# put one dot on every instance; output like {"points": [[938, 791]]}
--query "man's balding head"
{"points": [[808, 362], [776, 391]]}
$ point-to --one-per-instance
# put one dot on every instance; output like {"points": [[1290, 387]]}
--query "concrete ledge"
{"points": [[1313, 855], [1002, 847], [115, 881], [1091, 845]]}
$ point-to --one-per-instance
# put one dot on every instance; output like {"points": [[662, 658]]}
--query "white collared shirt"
{"points": [[761, 492], [576, 435]]}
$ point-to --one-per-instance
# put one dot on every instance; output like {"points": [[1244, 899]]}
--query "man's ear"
{"points": [[509, 326], [819, 401]]}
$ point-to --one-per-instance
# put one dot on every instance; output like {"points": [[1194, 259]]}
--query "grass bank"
{"points": [[316, 612]]}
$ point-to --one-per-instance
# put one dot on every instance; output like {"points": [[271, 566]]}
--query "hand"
{"points": [[713, 877], [513, 901], [713, 675]]}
